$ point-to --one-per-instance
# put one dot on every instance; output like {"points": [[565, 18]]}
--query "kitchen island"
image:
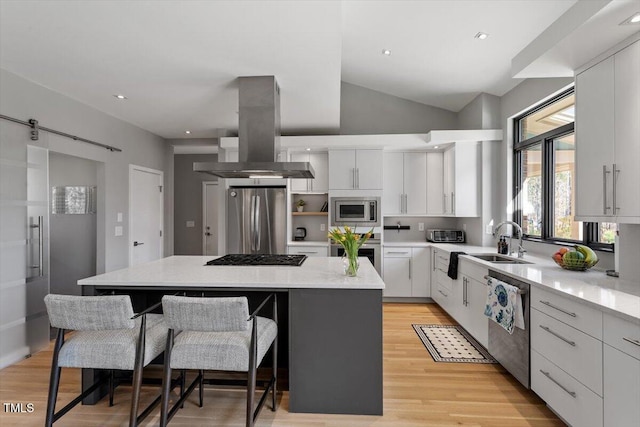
{"points": [[333, 325]]}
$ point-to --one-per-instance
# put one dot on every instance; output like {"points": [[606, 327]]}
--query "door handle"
{"points": [[136, 243], [358, 177], [40, 265], [207, 234], [452, 202]]}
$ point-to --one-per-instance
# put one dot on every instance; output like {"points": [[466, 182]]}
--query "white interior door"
{"points": [[210, 218], [145, 215]]}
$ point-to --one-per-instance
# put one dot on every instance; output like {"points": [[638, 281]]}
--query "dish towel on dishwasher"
{"points": [[504, 305]]}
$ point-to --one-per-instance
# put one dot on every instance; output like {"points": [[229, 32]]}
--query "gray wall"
{"points": [[481, 113], [24, 99], [364, 111], [188, 202], [72, 238]]}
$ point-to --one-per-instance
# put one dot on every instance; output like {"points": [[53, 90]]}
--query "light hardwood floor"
{"points": [[417, 391]]}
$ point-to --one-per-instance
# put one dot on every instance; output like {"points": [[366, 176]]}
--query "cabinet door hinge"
{"points": [[160, 187], [160, 233]]}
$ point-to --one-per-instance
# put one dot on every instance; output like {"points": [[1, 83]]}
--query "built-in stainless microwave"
{"points": [[356, 211]]}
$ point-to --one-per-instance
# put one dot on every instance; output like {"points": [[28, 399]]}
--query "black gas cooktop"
{"points": [[259, 259]]}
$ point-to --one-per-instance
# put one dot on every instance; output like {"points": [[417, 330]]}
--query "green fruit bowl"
{"points": [[574, 264]]}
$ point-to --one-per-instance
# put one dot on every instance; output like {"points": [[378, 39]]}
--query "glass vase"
{"points": [[351, 264]]}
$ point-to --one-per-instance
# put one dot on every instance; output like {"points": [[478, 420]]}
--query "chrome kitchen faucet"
{"points": [[521, 250]]}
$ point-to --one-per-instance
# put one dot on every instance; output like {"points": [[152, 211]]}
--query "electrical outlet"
{"points": [[118, 231], [119, 217], [421, 226], [191, 224], [464, 227], [322, 227], [489, 229]]}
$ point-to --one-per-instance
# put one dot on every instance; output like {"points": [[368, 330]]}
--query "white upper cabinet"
{"points": [[435, 183], [461, 196], [405, 183], [355, 169], [626, 201], [594, 136], [393, 185], [608, 139], [320, 163]]}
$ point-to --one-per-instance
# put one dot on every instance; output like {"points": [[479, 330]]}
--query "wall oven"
{"points": [[370, 249], [356, 211]]}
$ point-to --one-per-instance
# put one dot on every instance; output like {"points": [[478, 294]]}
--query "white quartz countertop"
{"points": [[308, 243], [609, 294], [191, 271]]}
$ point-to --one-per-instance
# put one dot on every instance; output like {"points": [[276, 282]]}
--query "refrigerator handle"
{"points": [[258, 231], [252, 222]]}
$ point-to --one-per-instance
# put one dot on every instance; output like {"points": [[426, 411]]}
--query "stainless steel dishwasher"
{"points": [[512, 350]]}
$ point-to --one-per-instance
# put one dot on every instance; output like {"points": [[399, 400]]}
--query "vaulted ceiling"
{"points": [[177, 61]]}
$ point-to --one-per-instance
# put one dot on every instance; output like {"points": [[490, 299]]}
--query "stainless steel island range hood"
{"points": [[259, 136]]}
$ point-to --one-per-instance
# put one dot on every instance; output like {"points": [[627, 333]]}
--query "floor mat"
{"points": [[448, 343]]}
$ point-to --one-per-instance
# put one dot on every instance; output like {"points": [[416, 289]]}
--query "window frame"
{"points": [[590, 231]]}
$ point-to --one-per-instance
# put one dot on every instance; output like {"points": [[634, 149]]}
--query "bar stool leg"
{"points": [[111, 387], [275, 374], [166, 381], [183, 382], [201, 391], [54, 381], [137, 373]]}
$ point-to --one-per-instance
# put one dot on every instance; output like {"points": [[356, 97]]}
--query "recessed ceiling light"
{"points": [[120, 96], [633, 19], [187, 132], [386, 52], [308, 149], [435, 146], [481, 35]]}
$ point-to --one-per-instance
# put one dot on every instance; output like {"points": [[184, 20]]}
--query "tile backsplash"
{"points": [[413, 234]]}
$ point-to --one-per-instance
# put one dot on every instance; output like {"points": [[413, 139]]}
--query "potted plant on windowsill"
{"points": [[300, 205]]}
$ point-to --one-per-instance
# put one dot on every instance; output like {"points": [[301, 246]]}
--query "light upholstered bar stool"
{"points": [[218, 334], [108, 335]]}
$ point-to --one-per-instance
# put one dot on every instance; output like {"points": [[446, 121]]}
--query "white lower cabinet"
{"points": [[568, 397], [566, 357], [621, 372], [575, 352], [420, 266], [397, 272], [474, 301], [308, 250], [621, 389], [406, 272]]}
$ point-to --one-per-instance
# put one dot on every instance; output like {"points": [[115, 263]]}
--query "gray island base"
{"points": [[333, 325]]}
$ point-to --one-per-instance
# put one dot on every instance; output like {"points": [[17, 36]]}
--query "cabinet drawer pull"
{"points": [[307, 252], [397, 252], [557, 335], [443, 293], [547, 303], [570, 393], [605, 208], [632, 341]]}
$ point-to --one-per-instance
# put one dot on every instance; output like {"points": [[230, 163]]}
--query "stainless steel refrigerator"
{"points": [[256, 220]]}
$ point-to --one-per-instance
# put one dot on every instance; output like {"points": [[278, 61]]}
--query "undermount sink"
{"points": [[499, 259]]}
